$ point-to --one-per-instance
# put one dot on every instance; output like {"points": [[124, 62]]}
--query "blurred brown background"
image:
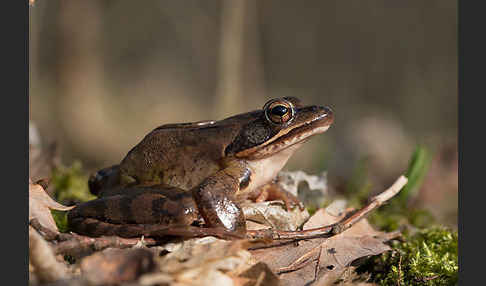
{"points": [[105, 73]]}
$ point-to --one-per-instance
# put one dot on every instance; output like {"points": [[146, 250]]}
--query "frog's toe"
{"points": [[290, 200], [273, 191]]}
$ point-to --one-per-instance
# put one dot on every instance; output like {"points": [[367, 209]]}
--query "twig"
{"points": [[399, 282], [45, 232], [333, 229], [428, 278], [42, 258], [316, 270], [79, 243], [302, 262], [73, 244]]}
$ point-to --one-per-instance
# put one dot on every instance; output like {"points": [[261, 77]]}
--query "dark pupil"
{"points": [[279, 110]]}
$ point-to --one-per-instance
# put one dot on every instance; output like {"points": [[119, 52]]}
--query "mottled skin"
{"points": [[210, 166], [129, 213]]}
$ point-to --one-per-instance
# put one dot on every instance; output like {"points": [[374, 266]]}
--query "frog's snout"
{"points": [[327, 113]]}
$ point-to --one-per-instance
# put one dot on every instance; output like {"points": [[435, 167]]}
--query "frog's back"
{"points": [[180, 155]]}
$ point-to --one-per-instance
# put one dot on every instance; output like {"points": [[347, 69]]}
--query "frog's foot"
{"points": [[273, 191]]}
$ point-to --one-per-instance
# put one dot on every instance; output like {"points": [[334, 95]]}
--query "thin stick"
{"points": [[45, 232], [79, 244], [72, 243], [333, 229]]}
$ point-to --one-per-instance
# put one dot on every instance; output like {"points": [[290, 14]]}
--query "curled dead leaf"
{"points": [[40, 204]]}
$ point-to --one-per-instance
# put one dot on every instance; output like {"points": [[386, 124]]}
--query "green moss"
{"points": [[428, 257], [60, 217], [387, 219], [311, 210], [71, 184], [391, 217]]}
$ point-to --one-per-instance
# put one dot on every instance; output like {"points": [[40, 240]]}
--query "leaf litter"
{"points": [[40, 206], [212, 261], [310, 260]]}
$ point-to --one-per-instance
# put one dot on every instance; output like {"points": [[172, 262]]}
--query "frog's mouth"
{"points": [[296, 134]]}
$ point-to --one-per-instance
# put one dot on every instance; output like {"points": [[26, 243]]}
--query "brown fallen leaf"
{"points": [[114, 266], [40, 205], [260, 274], [349, 277], [203, 261], [311, 260], [273, 214]]}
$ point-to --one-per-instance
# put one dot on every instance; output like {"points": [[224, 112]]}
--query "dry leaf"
{"points": [[205, 261], [313, 259], [273, 214], [114, 266], [260, 274], [40, 205]]}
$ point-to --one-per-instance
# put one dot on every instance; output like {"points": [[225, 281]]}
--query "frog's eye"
{"points": [[278, 111]]}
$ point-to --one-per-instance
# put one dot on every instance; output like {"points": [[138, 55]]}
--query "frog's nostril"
{"points": [[329, 112]]}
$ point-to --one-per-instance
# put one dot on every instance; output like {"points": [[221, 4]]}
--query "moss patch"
{"points": [[428, 257], [70, 186], [60, 217]]}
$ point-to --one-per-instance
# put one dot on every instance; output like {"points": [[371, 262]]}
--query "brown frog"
{"points": [[182, 176]]}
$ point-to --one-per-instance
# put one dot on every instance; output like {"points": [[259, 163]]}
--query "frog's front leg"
{"points": [[215, 198]]}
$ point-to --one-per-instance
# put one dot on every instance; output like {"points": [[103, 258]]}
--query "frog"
{"points": [[189, 179]]}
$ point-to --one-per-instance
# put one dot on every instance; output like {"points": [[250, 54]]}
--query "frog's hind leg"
{"points": [[96, 228], [135, 213]]}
